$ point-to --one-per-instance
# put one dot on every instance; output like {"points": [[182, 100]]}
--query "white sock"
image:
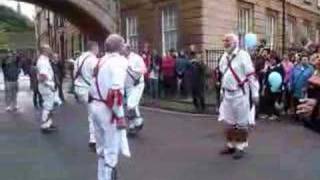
{"points": [[230, 145], [46, 122], [92, 138], [242, 146], [138, 121]]}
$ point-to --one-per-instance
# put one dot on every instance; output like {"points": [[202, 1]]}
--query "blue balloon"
{"points": [[250, 40], [275, 80]]}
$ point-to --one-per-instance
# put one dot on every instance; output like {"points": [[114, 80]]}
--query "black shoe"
{"points": [[238, 154], [227, 151], [132, 132], [49, 130], [53, 128], [92, 147], [45, 131], [140, 127]]}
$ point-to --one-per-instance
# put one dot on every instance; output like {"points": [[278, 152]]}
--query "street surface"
{"points": [[173, 146]]}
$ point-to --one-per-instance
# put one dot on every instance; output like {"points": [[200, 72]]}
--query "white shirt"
{"points": [[44, 68], [243, 67], [71, 60], [137, 68], [112, 74], [89, 61], [153, 74]]}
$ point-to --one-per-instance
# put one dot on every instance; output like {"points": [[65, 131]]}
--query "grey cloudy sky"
{"points": [[26, 9]]}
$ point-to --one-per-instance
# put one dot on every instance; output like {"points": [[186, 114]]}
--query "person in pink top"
{"points": [[146, 54], [168, 72], [287, 66]]}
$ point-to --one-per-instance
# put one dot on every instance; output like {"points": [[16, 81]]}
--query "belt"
{"points": [[91, 99], [231, 90]]}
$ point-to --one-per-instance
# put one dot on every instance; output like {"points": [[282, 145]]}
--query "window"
{"points": [[271, 29], [47, 14], [317, 33], [51, 18], [245, 21], [61, 22], [307, 29], [132, 32], [291, 23], [169, 29], [307, 1], [317, 40]]}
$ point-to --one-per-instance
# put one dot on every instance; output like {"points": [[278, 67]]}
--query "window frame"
{"points": [[169, 27], [307, 29], [317, 35], [272, 37], [132, 32], [245, 25], [291, 28], [309, 2]]}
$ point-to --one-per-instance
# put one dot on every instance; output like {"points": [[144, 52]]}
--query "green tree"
{"points": [[11, 21]]}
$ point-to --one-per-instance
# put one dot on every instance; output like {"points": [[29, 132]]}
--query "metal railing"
{"points": [[212, 56]]}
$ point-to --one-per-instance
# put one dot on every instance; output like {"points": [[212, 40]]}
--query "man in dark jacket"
{"points": [[182, 66], [198, 80], [11, 69], [37, 98], [58, 69], [154, 76]]}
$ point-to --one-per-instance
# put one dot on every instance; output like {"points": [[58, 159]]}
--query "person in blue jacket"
{"points": [[301, 72]]}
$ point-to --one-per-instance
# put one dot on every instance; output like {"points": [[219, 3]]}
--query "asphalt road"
{"points": [[173, 146]]}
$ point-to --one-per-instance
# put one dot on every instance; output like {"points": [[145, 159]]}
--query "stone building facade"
{"points": [[175, 24], [68, 25], [64, 38]]}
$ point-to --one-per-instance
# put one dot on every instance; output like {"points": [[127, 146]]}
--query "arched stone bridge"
{"points": [[96, 18]]}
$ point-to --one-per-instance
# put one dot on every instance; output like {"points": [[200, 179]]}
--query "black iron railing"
{"points": [[212, 57]]}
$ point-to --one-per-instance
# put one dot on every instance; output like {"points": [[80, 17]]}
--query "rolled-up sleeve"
{"points": [[250, 73]]}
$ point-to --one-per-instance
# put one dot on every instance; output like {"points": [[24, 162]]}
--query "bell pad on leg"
{"points": [[131, 114], [240, 135]]}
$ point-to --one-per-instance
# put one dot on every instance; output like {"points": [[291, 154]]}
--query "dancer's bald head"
{"points": [[45, 49], [114, 43], [126, 49], [230, 40]]}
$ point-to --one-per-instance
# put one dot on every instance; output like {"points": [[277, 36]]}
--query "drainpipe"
{"points": [[283, 26]]}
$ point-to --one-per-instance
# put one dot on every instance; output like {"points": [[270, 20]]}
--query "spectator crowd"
{"points": [[288, 81], [285, 81]]}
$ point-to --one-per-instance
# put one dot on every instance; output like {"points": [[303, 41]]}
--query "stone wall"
{"points": [[204, 22]]}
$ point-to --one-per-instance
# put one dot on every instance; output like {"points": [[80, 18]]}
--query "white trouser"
{"points": [[57, 98], [235, 110], [108, 139], [48, 97], [134, 95], [11, 91], [83, 97]]}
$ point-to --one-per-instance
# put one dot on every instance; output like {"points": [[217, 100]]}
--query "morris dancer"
{"points": [[106, 107], [84, 69], [134, 89], [239, 86], [46, 88]]}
